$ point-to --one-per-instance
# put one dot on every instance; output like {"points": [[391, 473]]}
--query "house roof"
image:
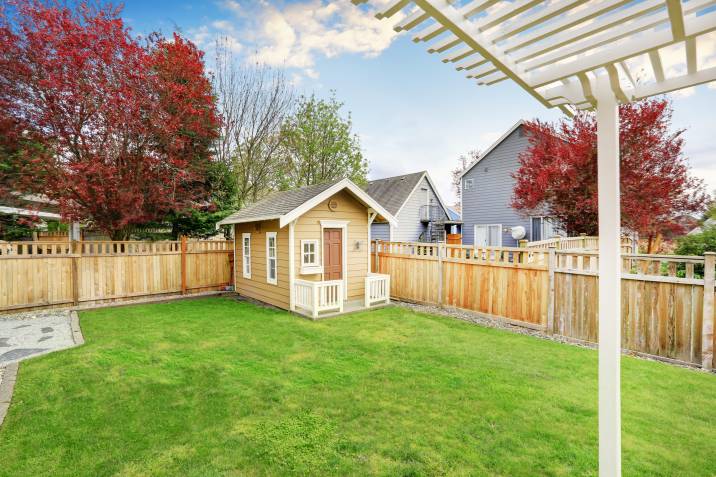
{"points": [[291, 204], [453, 214], [514, 127], [393, 192]]}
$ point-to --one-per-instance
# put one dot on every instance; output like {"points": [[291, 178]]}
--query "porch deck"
{"points": [[321, 299], [349, 306]]}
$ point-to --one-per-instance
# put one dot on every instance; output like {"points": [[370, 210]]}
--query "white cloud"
{"points": [[296, 35]]}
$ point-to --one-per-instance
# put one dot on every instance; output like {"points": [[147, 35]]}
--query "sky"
{"points": [[411, 111]]}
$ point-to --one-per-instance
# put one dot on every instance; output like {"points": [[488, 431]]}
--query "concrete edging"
{"points": [[77, 336], [7, 385]]}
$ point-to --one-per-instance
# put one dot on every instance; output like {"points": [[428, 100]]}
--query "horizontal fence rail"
{"points": [[42, 274], [582, 242], [667, 300]]}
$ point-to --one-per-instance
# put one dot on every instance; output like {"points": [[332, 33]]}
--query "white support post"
{"points": [[371, 217], [292, 265], [609, 285]]}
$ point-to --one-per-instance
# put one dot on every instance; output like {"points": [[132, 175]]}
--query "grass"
{"points": [[216, 387]]}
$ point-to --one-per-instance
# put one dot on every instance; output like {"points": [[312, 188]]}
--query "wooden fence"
{"points": [[43, 274], [667, 301]]}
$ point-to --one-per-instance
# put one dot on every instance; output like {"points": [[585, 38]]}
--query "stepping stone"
{"points": [[44, 338], [47, 329], [21, 326], [20, 353]]}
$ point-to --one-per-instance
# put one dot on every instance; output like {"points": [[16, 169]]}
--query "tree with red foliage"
{"points": [[125, 123], [558, 172]]}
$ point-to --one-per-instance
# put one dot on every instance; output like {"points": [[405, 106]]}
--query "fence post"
{"points": [[584, 240], [183, 264], [522, 243], [77, 252], [551, 265], [440, 273], [707, 333], [376, 262]]}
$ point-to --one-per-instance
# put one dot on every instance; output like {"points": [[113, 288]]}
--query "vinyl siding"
{"points": [[256, 287], [488, 201], [380, 231], [409, 225], [348, 208]]}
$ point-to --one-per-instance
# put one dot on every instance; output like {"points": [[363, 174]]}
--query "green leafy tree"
{"points": [[201, 220], [697, 244], [319, 145]]}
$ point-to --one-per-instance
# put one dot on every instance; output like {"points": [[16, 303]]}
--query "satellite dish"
{"points": [[518, 232]]}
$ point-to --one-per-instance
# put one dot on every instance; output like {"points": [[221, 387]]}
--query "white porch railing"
{"points": [[377, 289], [316, 297]]}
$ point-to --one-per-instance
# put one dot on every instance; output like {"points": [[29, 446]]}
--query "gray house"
{"points": [[415, 202], [487, 185]]}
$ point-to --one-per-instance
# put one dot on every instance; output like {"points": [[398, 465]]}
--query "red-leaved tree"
{"points": [[558, 172], [125, 124]]}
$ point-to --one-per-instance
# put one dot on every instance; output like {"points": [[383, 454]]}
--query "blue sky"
{"points": [[411, 111]]}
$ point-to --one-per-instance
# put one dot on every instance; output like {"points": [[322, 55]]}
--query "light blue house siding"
{"points": [[410, 227], [487, 201], [380, 231]]}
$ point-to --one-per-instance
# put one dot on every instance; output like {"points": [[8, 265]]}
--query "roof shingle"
{"points": [[392, 192], [279, 203]]}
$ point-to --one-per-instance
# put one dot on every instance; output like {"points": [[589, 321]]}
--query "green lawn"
{"points": [[216, 387]]}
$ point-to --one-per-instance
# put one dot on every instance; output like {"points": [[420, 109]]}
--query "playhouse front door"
{"points": [[332, 254]]}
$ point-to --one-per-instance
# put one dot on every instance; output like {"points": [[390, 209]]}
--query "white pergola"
{"points": [[577, 55]]}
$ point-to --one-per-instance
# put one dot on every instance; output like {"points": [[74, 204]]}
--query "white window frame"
{"points": [[315, 261], [246, 264], [499, 235], [269, 280], [311, 268], [468, 184]]}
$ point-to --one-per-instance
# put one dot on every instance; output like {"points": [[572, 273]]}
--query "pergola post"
{"points": [[609, 285]]}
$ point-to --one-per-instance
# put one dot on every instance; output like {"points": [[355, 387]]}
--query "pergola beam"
{"points": [[447, 15], [569, 37]]}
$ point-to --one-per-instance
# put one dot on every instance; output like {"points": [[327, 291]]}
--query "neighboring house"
{"points": [[307, 249], [415, 202], [708, 223], [486, 193]]}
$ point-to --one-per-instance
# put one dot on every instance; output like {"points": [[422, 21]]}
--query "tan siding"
{"points": [[308, 227], [256, 287]]}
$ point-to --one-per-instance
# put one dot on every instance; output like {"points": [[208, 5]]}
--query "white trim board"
{"points": [[357, 192]]}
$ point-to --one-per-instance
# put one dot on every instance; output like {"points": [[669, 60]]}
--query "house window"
{"points": [[488, 235], [246, 247], [271, 258], [542, 228], [309, 253], [468, 184]]}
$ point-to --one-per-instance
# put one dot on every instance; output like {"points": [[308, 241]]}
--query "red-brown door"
{"points": [[332, 254]]}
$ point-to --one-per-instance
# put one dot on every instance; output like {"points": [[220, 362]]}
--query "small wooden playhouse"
{"points": [[308, 250]]}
